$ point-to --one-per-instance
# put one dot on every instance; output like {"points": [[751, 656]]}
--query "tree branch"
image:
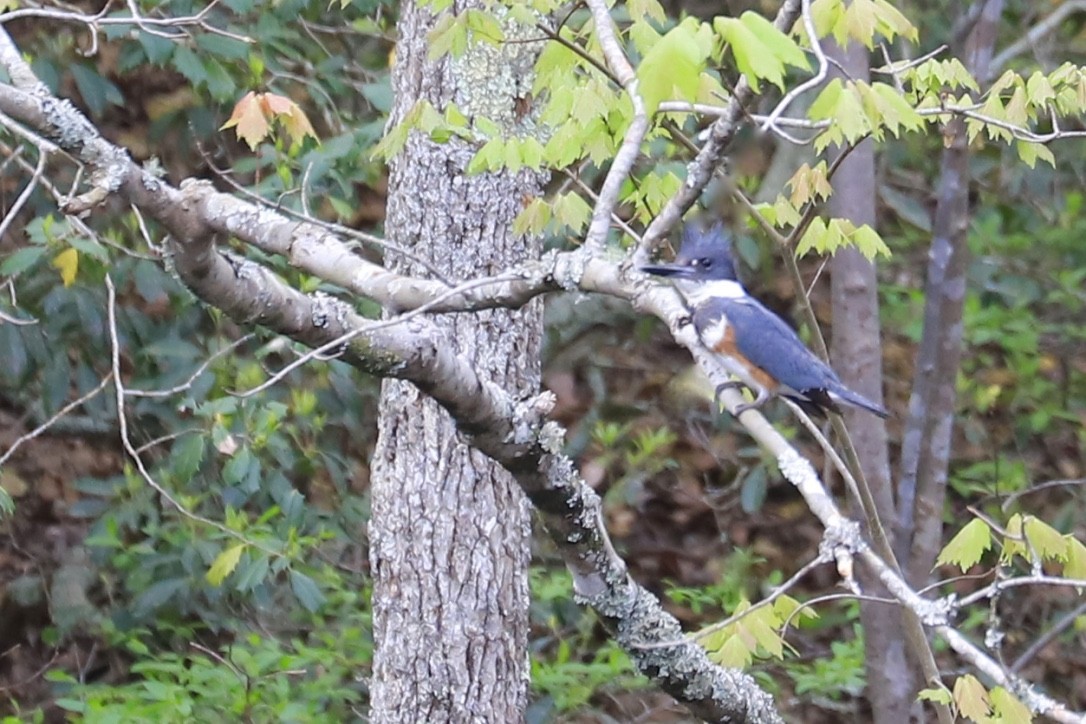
{"points": [[513, 433]]}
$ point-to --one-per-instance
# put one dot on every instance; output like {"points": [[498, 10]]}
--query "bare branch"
{"points": [[627, 153], [812, 82], [1034, 35]]}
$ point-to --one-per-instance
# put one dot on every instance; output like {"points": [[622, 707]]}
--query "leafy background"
{"points": [[115, 605]]}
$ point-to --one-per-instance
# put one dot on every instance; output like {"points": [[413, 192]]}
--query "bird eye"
{"points": [[704, 261]]}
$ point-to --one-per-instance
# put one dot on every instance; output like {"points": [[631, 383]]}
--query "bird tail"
{"points": [[843, 395]]}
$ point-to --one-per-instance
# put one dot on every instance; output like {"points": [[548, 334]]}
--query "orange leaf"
{"points": [[249, 120]]}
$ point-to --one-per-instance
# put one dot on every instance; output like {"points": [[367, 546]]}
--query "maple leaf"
{"points": [[249, 120]]}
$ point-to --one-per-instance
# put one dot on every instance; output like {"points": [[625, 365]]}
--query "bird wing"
{"points": [[770, 344]]}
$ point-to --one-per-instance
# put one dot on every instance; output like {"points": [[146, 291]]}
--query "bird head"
{"points": [[705, 255]]}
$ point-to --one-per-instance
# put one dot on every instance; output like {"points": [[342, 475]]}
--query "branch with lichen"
{"points": [[514, 433]]}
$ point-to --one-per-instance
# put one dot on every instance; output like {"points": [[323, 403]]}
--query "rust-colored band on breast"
{"points": [[727, 346]]}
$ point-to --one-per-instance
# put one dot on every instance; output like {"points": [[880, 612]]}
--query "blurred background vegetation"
{"points": [[107, 606]]}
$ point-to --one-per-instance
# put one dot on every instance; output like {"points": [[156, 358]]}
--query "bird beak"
{"points": [[667, 270]]}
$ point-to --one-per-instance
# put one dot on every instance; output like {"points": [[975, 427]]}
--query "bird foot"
{"points": [[729, 385], [740, 409]]}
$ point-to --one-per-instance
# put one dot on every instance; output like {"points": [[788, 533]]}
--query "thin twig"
{"points": [[40, 429], [130, 449]]}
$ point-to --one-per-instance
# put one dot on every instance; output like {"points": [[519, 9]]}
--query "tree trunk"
{"points": [[926, 442], [857, 356], [449, 528]]}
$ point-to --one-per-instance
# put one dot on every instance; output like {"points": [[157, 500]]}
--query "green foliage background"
{"points": [[258, 614]]}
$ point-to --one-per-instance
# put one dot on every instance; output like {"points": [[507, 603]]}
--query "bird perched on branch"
{"points": [[753, 343]]}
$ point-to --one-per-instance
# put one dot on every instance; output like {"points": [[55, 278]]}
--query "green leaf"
{"points": [[780, 45], [892, 22], [306, 591], [159, 593], [449, 36], [22, 260], [672, 67], [189, 65], [511, 158], [252, 573], [220, 84], [840, 103], [237, 467], [638, 9], [754, 59], [488, 157], [967, 547], [187, 456], [484, 26], [896, 111], [734, 654], [222, 46], [97, 92], [225, 563], [813, 238], [827, 14], [860, 22]]}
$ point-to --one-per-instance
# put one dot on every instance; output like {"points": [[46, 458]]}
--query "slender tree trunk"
{"points": [[857, 356], [450, 529], [925, 453]]}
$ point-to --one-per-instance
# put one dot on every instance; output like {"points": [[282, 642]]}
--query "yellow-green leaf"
{"points": [[572, 211], [1075, 567], [827, 14], [813, 238], [225, 563], [449, 36], [938, 696], [1013, 544], [754, 59], [1046, 541], [733, 654], [672, 67], [966, 548], [533, 218], [861, 19], [971, 698], [809, 183], [1029, 152], [67, 263], [896, 111], [1008, 708], [783, 47], [891, 22]]}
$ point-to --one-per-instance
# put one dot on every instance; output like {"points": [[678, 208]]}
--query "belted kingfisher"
{"points": [[754, 344]]}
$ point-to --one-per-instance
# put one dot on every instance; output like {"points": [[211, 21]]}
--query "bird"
{"points": [[753, 344]]}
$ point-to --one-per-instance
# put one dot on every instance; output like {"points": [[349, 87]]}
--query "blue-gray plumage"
{"points": [[755, 344]]}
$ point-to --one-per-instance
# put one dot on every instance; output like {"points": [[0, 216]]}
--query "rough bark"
{"points": [[450, 528], [925, 453]]}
